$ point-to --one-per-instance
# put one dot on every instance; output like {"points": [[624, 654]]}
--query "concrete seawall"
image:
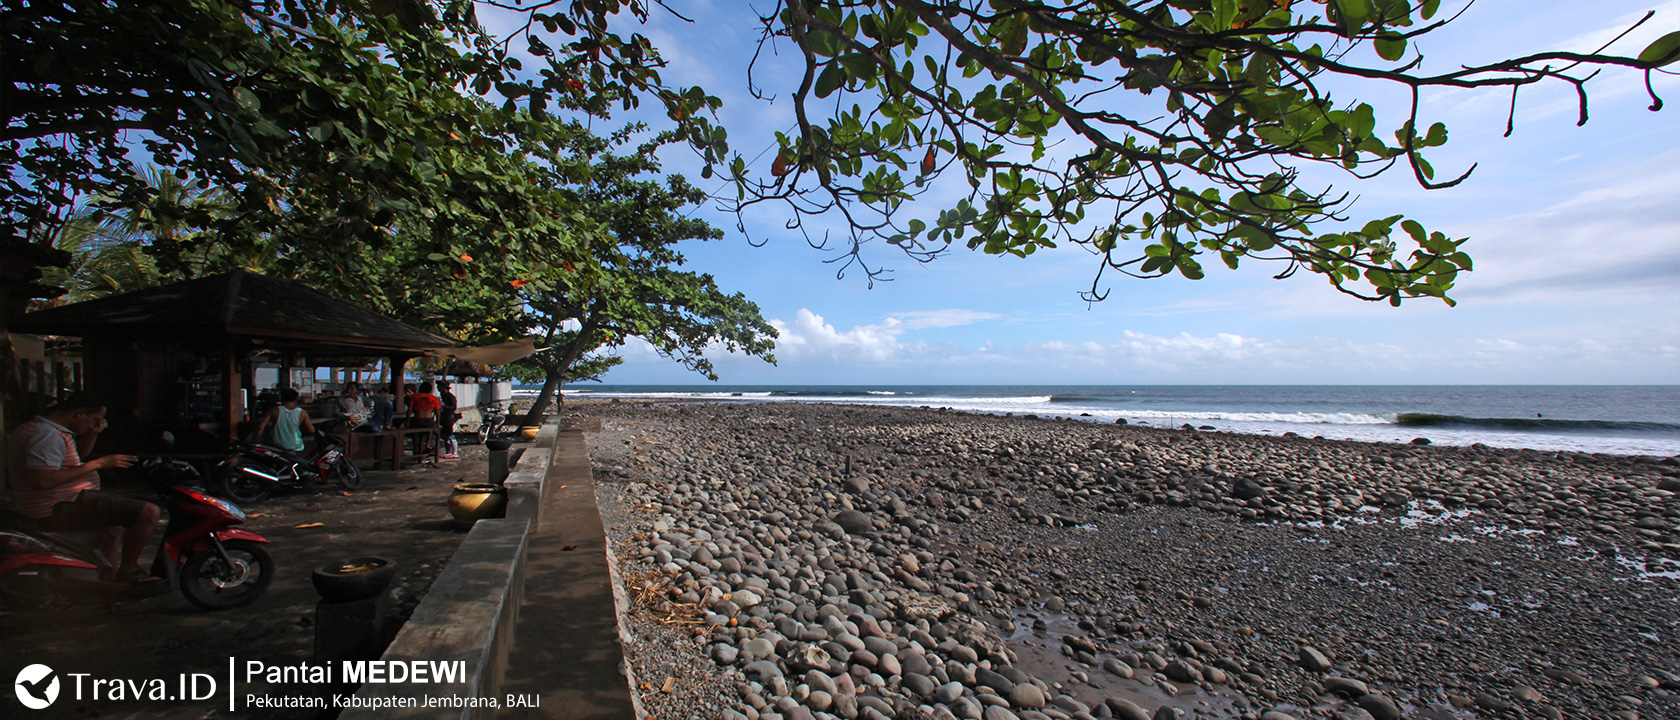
{"points": [[526, 603]]}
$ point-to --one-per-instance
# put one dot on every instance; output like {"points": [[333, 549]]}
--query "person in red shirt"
{"points": [[423, 409], [57, 490]]}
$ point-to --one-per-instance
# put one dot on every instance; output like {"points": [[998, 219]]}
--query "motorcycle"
{"points": [[494, 416], [254, 471], [216, 565]]}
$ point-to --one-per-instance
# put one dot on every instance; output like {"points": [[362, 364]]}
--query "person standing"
{"points": [[58, 491], [446, 418]]}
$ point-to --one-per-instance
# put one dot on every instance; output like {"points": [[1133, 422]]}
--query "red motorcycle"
{"points": [[216, 565]]}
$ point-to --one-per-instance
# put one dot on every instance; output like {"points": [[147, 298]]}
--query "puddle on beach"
{"points": [[1038, 649], [1040, 654]]}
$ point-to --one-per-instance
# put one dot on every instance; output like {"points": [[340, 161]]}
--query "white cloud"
{"points": [[920, 319], [808, 337], [1619, 238], [813, 350]]}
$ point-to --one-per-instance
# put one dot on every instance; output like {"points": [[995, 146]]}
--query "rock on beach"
{"points": [[828, 561]]}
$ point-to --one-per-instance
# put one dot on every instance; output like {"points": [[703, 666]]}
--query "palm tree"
{"points": [[108, 245]]}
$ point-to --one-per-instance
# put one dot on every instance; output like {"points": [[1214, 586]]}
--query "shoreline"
{"points": [[1146, 425], [1114, 568]]}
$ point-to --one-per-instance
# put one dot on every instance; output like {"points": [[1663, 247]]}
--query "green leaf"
{"points": [[1352, 14], [1430, 7], [1437, 135], [1414, 229], [1664, 51], [831, 79], [247, 99], [1224, 13], [1391, 47]]}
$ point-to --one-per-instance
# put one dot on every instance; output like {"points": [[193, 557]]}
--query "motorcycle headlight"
{"points": [[229, 508], [217, 502]]}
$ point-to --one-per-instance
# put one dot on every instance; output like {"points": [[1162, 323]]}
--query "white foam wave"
{"points": [[691, 395], [1263, 417]]}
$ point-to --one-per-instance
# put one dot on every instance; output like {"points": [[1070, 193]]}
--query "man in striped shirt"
{"points": [[52, 485]]}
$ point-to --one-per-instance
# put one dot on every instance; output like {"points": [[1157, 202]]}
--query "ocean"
{"points": [[1614, 419]]}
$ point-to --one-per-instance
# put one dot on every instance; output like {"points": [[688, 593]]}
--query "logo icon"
{"points": [[37, 686]]}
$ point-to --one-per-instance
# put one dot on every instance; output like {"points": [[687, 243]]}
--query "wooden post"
{"points": [[233, 396], [398, 402]]}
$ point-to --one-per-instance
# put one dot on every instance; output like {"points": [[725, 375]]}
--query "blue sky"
{"points": [[1575, 232]]}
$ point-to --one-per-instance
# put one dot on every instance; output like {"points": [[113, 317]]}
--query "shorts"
{"points": [[93, 510]]}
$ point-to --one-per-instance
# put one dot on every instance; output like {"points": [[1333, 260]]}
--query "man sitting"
{"points": [[60, 492]]}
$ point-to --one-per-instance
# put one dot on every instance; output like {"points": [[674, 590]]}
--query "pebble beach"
{"points": [[792, 561]]}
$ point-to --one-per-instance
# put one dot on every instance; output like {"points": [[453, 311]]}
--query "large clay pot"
{"points": [[528, 433], [471, 502]]}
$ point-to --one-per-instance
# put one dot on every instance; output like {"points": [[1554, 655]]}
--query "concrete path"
{"points": [[566, 650]]}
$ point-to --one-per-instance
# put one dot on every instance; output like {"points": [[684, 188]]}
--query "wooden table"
{"points": [[389, 445], [405, 435]]}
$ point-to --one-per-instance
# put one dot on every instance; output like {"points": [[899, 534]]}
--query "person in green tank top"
{"points": [[289, 421]]}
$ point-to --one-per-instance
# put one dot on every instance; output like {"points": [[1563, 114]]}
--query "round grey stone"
{"points": [[854, 522], [1026, 696], [725, 654], [1346, 687], [762, 670], [1124, 709], [758, 648], [1313, 660], [948, 693], [1379, 706]]}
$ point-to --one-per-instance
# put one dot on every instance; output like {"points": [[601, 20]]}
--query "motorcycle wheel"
{"points": [[348, 474], [210, 583], [244, 488]]}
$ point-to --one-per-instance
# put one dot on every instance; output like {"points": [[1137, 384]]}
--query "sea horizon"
{"points": [[1607, 418]]}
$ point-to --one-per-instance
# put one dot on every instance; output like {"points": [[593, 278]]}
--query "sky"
{"points": [[1575, 232]]}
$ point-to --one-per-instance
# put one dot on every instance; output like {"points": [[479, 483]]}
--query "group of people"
{"points": [[361, 412], [54, 488]]}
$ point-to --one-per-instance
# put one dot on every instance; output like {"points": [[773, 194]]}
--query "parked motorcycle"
{"points": [[494, 417], [254, 471], [215, 564]]}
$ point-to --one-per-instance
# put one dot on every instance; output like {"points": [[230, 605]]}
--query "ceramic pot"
{"points": [[471, 502], [354, 579], [529, 433]]}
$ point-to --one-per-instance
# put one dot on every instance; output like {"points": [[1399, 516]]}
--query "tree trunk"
{"points": [[551, 382], [555, 370]]}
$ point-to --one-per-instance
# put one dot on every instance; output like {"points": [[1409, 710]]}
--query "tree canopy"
{"points": [[326, 124], [633, 285], [350, 134], [1158, 134]]}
